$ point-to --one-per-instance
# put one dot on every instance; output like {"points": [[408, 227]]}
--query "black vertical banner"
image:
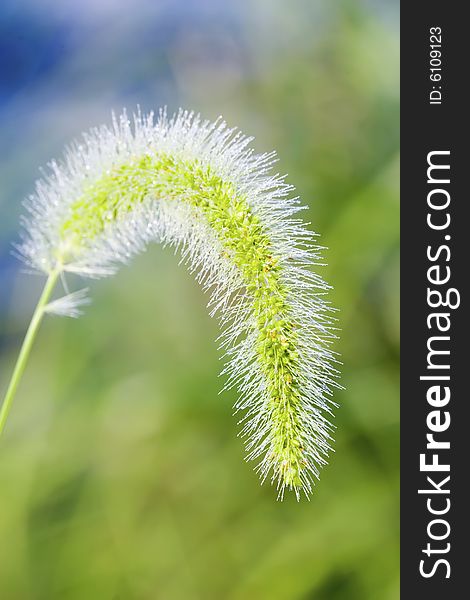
{"points": [[435, 241]]}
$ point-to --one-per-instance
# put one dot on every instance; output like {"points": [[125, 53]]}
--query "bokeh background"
{"points": [[121, 476]]}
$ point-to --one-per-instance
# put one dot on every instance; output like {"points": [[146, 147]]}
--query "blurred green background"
{"points": [[121, 476]]}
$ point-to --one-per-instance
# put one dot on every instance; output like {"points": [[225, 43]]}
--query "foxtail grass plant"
{"points": [[198, 186]]}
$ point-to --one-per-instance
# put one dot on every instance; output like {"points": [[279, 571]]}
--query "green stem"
{"points": [[26, 347]]}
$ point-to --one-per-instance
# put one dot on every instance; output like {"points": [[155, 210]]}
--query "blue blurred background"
{"points": [[121, 475]]}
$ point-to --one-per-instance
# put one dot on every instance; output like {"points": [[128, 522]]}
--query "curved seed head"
{"points": [[196, 185]]}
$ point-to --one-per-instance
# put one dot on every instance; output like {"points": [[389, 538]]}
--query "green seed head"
{"points": [[194, 184]]}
